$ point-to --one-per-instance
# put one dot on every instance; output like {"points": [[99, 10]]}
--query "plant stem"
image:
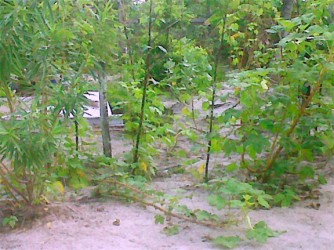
{"points": [[12, 187], [193, 113], [272, 158], [76, 125], [9, 99], [145, 84], [213, 86]]}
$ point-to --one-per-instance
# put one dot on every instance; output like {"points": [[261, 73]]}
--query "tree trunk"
{"points": [[287, 9], [104, 119], [331, 13]]}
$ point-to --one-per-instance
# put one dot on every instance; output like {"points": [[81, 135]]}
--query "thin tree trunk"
{"points": [[287, 9], [76, 126], [213, 96], [104, 119], [331, 12], [286, 13]]}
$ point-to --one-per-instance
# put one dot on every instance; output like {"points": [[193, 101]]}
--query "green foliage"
{"points": [[261, 232], [171, 230], [10, 221], [275, 119], [280, 123], [227, 241], [48, 46], [286, 198], [231, 193], [28, 144], [159, 219], [188, 69], [272, 132], [137, 189]]}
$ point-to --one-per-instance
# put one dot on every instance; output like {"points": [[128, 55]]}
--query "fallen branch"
{"points": [[213, 224]]}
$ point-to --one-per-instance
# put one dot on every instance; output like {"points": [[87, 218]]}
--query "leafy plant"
{"points": [[277, 70], [227, 241], [27, 147], [278, 123], [286, 198], [171, 230], [10, 221], [48, 47], [261, 232], [233, 193]]}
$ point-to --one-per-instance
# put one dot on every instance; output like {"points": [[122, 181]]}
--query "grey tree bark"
{"points": [[331, 12], [104, 119], [287, 9]]}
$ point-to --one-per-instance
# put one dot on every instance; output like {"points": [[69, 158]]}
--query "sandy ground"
{"points": [[81, 225], [91, 225]]}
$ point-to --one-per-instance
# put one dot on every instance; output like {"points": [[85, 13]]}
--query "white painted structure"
{"points": [[93, 109]]}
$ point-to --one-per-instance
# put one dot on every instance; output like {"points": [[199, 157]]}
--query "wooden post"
{"points": [[104, 119]]}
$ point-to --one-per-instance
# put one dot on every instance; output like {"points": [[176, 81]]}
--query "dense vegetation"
{"points": [[273, 59]]}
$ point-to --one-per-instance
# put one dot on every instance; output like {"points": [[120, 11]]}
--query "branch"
{"points": [[219, 224], [271, 159], [11, 187]]}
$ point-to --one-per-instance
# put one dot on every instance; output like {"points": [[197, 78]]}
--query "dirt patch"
{"points": [[117, 225]]}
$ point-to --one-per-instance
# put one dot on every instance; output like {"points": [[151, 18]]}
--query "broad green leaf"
{"points": [[216, 145], [232, 167], [322, 179], [227, 241], [251, 151], [263, 202], [307, 18], [315, 30], [329, 36], [159, 219], [287, 24], [203, 215], [306, 172], [234, 27], [329, 66], [11, 221], [256, 142], [171, 230], [261, 232], [234, 4], [229, 146], [217, 201], [206, 105], [267, 124], [236, 204]]}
